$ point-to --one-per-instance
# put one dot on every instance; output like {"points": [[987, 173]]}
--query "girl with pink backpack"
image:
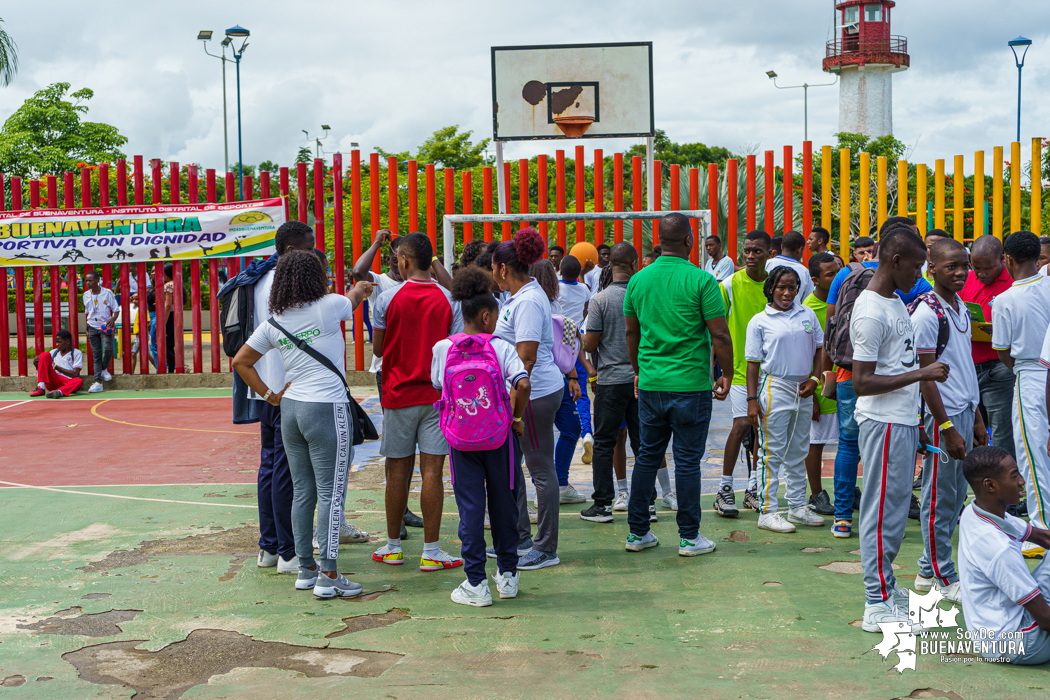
{"points": [[484, 391]]}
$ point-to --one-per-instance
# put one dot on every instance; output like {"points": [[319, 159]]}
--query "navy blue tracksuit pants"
{"points": [[476, 475], [275, 486]]}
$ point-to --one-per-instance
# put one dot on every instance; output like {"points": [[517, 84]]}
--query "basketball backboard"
{"points": [[572, 91]]}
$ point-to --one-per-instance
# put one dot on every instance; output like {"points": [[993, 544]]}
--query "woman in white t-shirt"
{"points": [[315, 414], [525, 321]]}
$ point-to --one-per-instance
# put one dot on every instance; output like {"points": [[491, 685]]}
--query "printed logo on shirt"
{"points": [[904, 326], [808, 327], [307, 336]]}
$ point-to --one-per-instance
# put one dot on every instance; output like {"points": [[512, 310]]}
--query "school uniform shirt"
{"points": [[415, 315], [591, 279], [882, 332], [72, 361], [784, 341], [1020, 317], [995, 580], [806, 288], [98, 308], [317, 324], [133, 283], [382, 283], [977, 292], [960, 392], [526, 317], [509, 363], [721, 269], [743, 299], [573, 298], [270, 366]]}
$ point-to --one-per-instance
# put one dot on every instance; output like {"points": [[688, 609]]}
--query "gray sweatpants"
{"points": [[538, 449], [943, 493], [1036, 640], [887, 451], [318, 442]]}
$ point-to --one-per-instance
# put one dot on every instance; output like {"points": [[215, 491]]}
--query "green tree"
{"points": [[45, 136], [305, 155], [693, 155], [269, 166], [8, 57], [446, 148]]}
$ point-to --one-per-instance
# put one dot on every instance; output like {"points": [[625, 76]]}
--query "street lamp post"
{"points": [[239, 32], [1019, 41], [805, 97], [205, 36]]}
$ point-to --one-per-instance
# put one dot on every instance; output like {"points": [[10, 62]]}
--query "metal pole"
{"points": [[240, 153], [805, 111], [1019, 67], [225, 120], [501, 197]]}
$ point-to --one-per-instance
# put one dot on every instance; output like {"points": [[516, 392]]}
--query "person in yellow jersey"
{"points": [[743, 296], [824, 428]]}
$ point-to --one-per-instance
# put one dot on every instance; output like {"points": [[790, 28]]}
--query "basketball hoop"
{"points": [[574, 126]]}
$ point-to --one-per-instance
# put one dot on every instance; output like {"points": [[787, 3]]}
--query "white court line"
{"points": [[15, 404], [128, 498]]}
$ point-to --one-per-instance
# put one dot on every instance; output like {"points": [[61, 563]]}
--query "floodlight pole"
{"points": [[650, 193]]}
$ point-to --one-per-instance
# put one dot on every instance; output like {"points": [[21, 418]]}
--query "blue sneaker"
{"points": [[637, 544], [535, 559], [842, 528], [523, 549]]}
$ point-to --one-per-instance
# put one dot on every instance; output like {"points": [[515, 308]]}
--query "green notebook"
{"points": [[976, 312]]}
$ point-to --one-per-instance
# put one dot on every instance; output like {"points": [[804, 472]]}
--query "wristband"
{"points": [[267, 396], [517, 419], [946, 424], [752, 398], [816, 379]]}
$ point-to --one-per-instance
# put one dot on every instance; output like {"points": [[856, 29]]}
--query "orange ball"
{"points": [[583, 252]]}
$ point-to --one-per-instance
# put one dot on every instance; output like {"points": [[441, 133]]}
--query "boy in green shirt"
{"points": [[743, 296], [825, 428]]}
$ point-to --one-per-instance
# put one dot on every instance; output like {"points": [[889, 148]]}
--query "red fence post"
{"points": [[5, 330], [752, 174], [523, 189], [286, 192], [319, 205], [195, 278], [213, 277], [468, 200], [580, 182], [55, 273], [541, 196], [694, 204], [732, 226], [559, 194], [161, 324], [636, 201], [355, 223], [301, 196], [373, 206], [38, 281], [599, 196], [413, 197], [807, 191], [769, 171], [618, 196], [658, 197], [21, 344], [450, 198], [177, 301], [486, 196], [338, 247], [126, 321], [71, 282], [393, 222], [431, 178], [107, 270], [142, 275], [713, 198]]}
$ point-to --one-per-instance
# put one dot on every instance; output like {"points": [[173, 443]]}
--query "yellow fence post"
{"points": [[844, 195], [1015, 186], [864, 197], [978, 195], [958, 200], [825, 188], [920, 199], [938, 194], [997, 192], [1037, 185], [880, 175], [902, 188]]}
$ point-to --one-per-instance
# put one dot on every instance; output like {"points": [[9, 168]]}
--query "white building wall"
{"points": [[866, 99]]}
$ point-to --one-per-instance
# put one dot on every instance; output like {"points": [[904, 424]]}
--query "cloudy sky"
{"points": [[387, 73]]}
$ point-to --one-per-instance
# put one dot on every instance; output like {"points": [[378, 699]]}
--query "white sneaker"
{"points": [[106, 376], [952, 592], [886, 611], [349, 534], [670, 501], [774, 522], [507, 584], [266, 560], [804, 515], [96, 388], [287, 566], [339, 586], [488, 524], [588, 448], [620, 504], [570, 495], [533, 515], [478, 596], [923, 584], [701, 545], [637, 544]]}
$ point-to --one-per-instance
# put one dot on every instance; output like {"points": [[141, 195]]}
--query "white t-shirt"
{"points": [[72, 361], [722, 269], [526, 317], [1020, 317], [99, 307], [270, 366], [591, 279], [573, 298], [318, 324], [509, 362], [803, 272], [784, 341], [995, 580], [382, 283], [133, 283], [881, 332], [961, 392]]}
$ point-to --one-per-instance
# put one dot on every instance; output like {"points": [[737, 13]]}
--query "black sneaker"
{"points": [[652, 514], [856, 498], [915, 509], [725, 502], [404, 532], [917, 484], [598, 514], [751, 500], [1020, 510], [821, 504], [412, 520]]}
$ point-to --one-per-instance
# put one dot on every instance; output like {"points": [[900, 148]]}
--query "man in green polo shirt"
{"points": [[674, 314], [743, 296]]}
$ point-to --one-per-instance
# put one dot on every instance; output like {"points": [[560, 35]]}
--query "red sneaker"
{"points": [[37, 392]]}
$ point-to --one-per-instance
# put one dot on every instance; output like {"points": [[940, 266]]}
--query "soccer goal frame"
{"points": [[703, 216]]}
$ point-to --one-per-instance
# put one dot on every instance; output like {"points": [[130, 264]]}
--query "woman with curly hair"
{"points": [[315, 414], [782, 353], [525, 321]]}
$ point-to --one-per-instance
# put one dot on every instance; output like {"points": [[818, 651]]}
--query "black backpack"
{"points": [[236, 316], [836, 340]]}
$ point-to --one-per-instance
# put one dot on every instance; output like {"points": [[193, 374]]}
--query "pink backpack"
{"points": [[566, 348], [475, 405]]}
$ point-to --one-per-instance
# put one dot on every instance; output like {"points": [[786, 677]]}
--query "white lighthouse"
{"points": [[865, 55]]}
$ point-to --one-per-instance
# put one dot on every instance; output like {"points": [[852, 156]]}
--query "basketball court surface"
{"points": [[129, 540]]}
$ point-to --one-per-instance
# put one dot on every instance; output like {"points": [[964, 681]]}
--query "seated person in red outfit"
{"points": [[58, 371]]}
